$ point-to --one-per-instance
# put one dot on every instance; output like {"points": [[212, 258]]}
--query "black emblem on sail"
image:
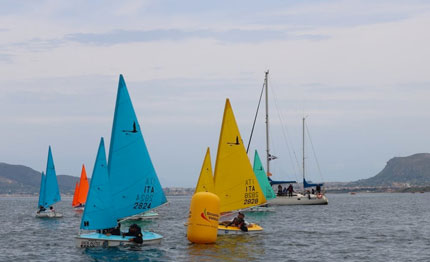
{"points": [[86, 223], [131, 131], [237, 142]]}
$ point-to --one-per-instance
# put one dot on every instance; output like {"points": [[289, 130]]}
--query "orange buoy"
{"points": [[203, 218]]}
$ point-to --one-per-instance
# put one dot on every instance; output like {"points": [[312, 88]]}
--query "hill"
{"points": [[412, 170], [19, 179]]}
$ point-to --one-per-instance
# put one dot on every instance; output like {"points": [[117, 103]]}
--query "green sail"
{"points": [[262, 178]]}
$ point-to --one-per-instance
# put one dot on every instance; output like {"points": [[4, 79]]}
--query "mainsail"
{"points": [[98, 213], [235, 181], [262, 178], [52, 193], [42, 190], [83, 187], [134, 182], [76, 195], [206, 180]]}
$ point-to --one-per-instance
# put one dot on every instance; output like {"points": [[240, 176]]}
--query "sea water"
{"points": [[362, 227]]}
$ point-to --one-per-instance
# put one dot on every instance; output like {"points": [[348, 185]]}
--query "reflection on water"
{"points": [[362, 227]]}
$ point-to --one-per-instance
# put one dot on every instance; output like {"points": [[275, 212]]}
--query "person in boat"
{"points": [[318, 187], [116, 231], [51, 209], [313, 191], [279, 190], [135, 231], [41, 209], [285, 191], [238, 221], [290, 190]]}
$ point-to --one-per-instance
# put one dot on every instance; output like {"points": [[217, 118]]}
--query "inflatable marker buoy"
{"points": [[203, 218]]}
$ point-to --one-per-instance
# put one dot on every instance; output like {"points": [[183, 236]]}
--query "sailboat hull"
{"points": [[49, 215], [299, 199], [101, 240], [252, 229], [149, 215]]}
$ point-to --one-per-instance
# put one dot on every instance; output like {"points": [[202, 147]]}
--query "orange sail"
{"points": [[83, 187], [75, 195]]}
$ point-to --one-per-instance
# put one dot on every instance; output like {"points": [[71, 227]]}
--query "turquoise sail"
{"points": [[98, 208], [52, 193], [262, 178], [134, 182], [42, 190]]}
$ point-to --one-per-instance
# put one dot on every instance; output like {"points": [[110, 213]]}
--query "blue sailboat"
{"points": [[126, 185], [49, 193]]}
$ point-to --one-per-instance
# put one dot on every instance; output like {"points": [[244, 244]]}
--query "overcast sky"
{"points": [[358, 69]]}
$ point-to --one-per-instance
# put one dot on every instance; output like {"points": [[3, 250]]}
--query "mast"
{"points": [[267, 122], [303, 160]]}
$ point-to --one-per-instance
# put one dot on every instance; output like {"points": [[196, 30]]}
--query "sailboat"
{"points": [[235, 182], [206, 179], [125, 186], [303, 198], [81, 191], [49, 193], [264, 184]]}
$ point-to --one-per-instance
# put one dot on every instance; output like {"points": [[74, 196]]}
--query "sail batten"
{"points": [[235, 182]]}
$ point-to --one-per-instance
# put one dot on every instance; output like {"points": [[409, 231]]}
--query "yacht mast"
{"points": [[303, 160], [267, 122]]}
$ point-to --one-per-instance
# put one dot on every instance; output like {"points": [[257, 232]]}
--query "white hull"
{"points": [[100, 240], [144, 216], [299, 199], [49, 215], [81, 208]]}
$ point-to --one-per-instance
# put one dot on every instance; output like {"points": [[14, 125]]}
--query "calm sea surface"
{"points": [[362, 227]]}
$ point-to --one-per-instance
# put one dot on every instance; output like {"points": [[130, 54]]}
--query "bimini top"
{"points": [[273, 182]]}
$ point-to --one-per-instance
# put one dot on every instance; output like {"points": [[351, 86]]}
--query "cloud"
{"points": [[229, 36]]}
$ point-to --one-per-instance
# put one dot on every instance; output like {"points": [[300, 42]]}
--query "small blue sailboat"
{"points": [[49, 193], [125, 186]]}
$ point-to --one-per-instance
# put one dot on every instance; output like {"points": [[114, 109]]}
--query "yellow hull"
{"points": [[231, 230]]}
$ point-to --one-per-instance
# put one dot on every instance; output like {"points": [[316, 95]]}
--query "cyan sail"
{"points": [[262, 178], [134, 182], [52, 193], [98, 213], [42, 190], [306, 184]]}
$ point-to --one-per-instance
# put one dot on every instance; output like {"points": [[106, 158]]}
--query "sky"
{"points": [[358, 70]]}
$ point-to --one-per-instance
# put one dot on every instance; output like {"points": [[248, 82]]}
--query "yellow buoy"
{"points": [[203, 218]]}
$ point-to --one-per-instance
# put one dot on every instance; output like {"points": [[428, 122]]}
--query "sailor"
{"points": [[285, 191], [116, 231], [239, 222], [135, 231], [279, 190], [41, 209], [51, 209], [318, 187], [290, 190]]}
